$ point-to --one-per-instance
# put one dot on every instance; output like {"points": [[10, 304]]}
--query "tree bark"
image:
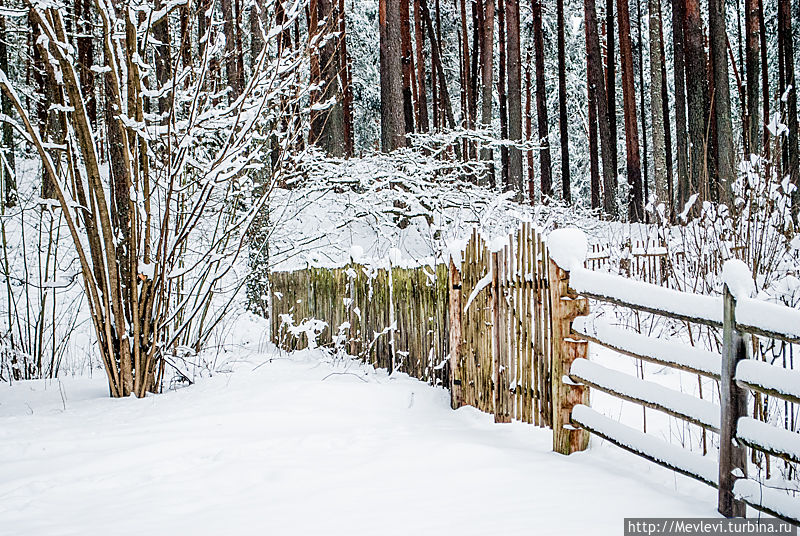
{"points": [[391, 69], [635, 207], [7, 162], [501, 92], [514, 96], [722, 103], [407, 62], [656, 105], [563, 120], [681, 134], [611, 82], [597, 84], [545, 163], [696, 77], [753, 127], [422, 102], [487, 70], [789, 88]]}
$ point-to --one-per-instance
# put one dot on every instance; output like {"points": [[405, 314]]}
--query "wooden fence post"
{"points": [[733, 402], [455, 313], [566, 306], [500, 366]]}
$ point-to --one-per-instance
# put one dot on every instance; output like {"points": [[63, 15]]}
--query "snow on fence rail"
{"points": [[737, 314]]}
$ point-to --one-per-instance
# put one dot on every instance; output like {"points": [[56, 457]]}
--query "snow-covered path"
{"points": [[290, 449]]}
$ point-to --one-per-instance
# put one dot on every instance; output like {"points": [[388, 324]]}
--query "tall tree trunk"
{"points": [[529, 131], [228, 26], [446, 106], [762, 29], [501, 91], [407, 61], [487, 71], [667, 129], [256, 39], [163, 60], [346, 76], [722, 102], [594, 166], [753, 127], [328, 122], [642, 108], [681, 134], [611, 82], [86, 57], [790, 90], [695, 57], [598, 90], [7, 158], [392, 108], [635, 207], [422, 102], [514, 96], [541, 104], [239, 51], [563, 120], [656, 104]]}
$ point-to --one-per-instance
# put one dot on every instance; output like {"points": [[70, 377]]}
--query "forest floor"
{"points": [[301, 444]]}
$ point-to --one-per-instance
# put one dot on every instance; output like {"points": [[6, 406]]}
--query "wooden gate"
{"points": [[500, 311]]}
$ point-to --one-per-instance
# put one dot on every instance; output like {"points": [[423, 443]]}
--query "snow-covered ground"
{"points": [[296, 444]]}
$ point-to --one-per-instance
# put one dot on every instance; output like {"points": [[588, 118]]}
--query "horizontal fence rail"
{"points": [[737, 375]]}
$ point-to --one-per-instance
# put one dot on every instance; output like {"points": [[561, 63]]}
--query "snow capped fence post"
{"points": [[733, 399], [455, 312], [568, 248]]}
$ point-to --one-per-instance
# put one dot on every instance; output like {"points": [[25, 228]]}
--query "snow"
{"points": [[484, 282], [785, 381], [768, 436], [739, 279], [295, 444], [664, 350], [646, 295], [768, 316], [568, 248], [675, 456], [680, 403], [777, 500]]}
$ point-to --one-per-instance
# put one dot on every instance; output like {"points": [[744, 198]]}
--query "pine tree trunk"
{"points": [[762, 30], [346, 76], [635, 207], [681, 133], [611, 82], [392, 107], [514, 96], [545, 164], [753, 127], [501, 92], [563, 120], [422, 103], [7, 157], [787, 38], [529, 131], [163, 61], [597, 84], [642, 107], [487, 70], [228, 27], [722, 103], [407, 61], [594, 166], [656, 105], [696, 78]]}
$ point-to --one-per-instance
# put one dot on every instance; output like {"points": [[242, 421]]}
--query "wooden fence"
{"points": [[737, 376], [503, 330], [359, 306]]}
